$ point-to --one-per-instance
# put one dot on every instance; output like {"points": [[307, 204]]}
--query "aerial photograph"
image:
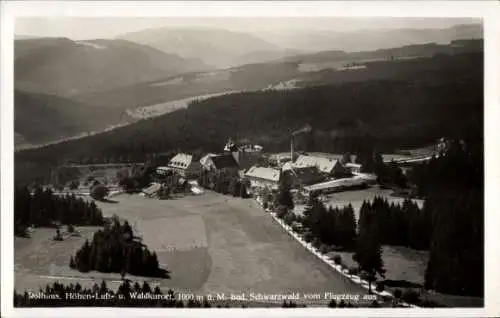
{"points": [[237, 162]]}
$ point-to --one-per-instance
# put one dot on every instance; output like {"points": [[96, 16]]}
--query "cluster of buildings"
{"points": [[305, 172]]}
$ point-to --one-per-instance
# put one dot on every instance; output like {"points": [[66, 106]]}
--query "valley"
{"points": [[203, 161], [111, 108]]}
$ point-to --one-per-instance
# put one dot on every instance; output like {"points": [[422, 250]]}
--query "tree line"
{"points": [[115, 249], [450, 224], [135, 178], [42, 208], [331, 226], [453, 100], [107, 297], [403, 224], [453, 185], [122, 297]]}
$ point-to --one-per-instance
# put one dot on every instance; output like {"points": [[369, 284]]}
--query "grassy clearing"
{"points": [[401, 263], [215, 244]]}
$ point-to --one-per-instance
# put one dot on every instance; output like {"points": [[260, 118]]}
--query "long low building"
{"points": [[338, 185]]}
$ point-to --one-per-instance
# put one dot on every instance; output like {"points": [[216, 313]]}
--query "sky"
{"points": [[91, 28]]}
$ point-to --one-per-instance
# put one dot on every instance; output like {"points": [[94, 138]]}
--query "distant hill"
{"points": [[24, 37], [294, 71], [406, 51], [369, 39], [330, 67], [64, 67], [216, 47], [40, 118], [264, 56], [423, 99]]}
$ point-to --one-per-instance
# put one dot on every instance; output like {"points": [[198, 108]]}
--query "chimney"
{"points": [[291, 148]]}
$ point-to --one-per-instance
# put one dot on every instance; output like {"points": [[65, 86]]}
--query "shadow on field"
{"points": [[163, 273], [401, 284], [108, 201]]}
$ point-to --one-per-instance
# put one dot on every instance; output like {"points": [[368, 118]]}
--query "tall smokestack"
{"points": [[291, 148]]}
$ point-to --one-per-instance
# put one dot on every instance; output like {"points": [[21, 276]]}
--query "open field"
{"points": [[406, 266], [216, 244], [154, 110], [211, 243], [403, 265]]}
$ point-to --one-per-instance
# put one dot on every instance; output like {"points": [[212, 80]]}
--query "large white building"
{"points": [[185, 165], [263, 177]]}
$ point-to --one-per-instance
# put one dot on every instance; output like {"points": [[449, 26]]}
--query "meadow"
{"points": [[210, 243]]}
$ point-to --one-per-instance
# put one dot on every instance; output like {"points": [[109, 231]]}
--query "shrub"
{"points": [[71, 228], [380, 287], [58, 236], [324, 249], [288, 218], [308, 237], [99, 192], [288, 304], [337, 259], [375, 304], [281, 211], [332, 304], [398, 293], [297, 227], [364, 276], [316, 243], [429, 304], [411, 297], [353, 271], [74, 184]]}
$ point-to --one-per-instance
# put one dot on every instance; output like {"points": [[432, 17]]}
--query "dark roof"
{"points": [[224, 161]]}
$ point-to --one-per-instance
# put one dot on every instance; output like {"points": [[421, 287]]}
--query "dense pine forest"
{"points": [[44, 209], [444, 100], [450, 225], [115, 249]]}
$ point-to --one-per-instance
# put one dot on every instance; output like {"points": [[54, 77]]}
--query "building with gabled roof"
{"points": [[246, 155], [220, 163], [325, 165], [151, 190], [225, 161], [263, 177], [301, 176], [353, 167], [185, 165]]}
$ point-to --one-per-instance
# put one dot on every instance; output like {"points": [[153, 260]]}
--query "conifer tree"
{"points": [[368, 253]]}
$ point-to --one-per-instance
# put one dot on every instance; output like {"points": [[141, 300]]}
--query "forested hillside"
{"points": [[303, 70], [41, 118], [64, 67], [367, 39], [406, 51], [397, 113]]}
